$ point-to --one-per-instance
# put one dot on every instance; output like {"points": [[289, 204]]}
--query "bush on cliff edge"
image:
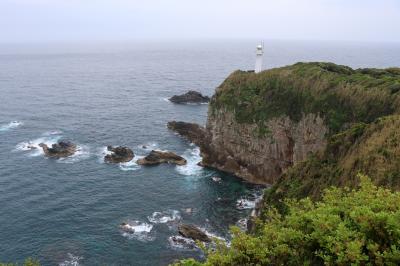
{"points": [[358, 227]]}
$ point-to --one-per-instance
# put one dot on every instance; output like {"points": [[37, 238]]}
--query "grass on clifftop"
{"points": [[347, 227], [338, 93]]}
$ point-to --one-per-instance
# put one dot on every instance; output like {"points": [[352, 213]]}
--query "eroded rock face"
{"points": [[157, 157], [239, 149], [191, 131], [191, 231], [119, 154], [190, 97], [58, 150]]}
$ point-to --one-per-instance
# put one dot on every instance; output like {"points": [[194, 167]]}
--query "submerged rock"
{"points": [[191, 231], [119, 154], [58, 150], [157, 157], [190, 97]]}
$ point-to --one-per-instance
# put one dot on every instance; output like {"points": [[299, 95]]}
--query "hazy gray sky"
{"points": [[74, 20]]}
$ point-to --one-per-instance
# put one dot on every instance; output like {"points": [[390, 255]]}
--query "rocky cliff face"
{"points": [[239, 149], [261, 124]]}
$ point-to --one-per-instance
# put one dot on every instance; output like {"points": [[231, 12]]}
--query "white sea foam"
{"points": [[137, 230], [33, 145], [180, 242], [82, 153], [248, 202], [11, 125], [242, 224], [164, 217], [128, 166], [148, 146], [71, 260], [52, 132], [244, 203], [131, 165], [192, 168]]}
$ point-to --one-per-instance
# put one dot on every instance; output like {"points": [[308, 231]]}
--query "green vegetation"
{"points": [[347, 227], [318, 213], [28, 262], [372, 149], [339, 94]]}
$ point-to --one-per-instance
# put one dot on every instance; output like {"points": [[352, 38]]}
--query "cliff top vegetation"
{"points": [[340, 94]]}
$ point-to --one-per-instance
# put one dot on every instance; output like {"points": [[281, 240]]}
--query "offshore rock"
{"points": [[119, 154], [58, 150], [158, 157], [191, 231], [190, 97]]}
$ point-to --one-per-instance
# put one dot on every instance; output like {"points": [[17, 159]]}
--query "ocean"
{"points": [[68, 211]]}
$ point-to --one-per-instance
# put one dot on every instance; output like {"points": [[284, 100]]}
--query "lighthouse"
{"points": [[259, 57]]}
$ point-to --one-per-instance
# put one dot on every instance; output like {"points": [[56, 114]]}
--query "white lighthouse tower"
{"points": [[259, 57]]}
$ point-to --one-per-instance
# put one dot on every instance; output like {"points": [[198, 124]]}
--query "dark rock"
{"points": [[193, 132], [119, 154], [191, 231], [59, 150], [157, 157], [190, 97]]}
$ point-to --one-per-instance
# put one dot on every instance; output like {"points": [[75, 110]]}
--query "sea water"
{"points": [[69, 211]]}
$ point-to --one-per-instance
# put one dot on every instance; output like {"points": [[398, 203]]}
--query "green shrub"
{"points": [[28, 262], [347, 227]]}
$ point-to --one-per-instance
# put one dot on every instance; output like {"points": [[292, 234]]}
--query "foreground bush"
{"points": [[347, 227], [28, 262]]}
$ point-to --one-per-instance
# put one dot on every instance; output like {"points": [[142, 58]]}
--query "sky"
{"points": [[109, 20]]}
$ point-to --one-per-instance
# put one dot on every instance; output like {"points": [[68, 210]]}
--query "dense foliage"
{"points": [[339, 94], [372, 149], [28, 262], [347, 227]]}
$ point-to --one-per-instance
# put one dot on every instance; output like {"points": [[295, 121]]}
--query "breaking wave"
{"points": [[164, 217], [180, 242], [33, 145], [131, 165], [11, 125], [82, 153], [137, 230], [72, 260], [191, 168]]}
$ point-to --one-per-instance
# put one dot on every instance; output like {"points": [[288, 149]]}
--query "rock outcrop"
{"points": [[119, 154], [58, 150], [190, 97], [158, 157], [236, 148], [261, 124], [191, 231]]}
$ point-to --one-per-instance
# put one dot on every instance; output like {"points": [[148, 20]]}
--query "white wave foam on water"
{"points": [[137, 230], [242, 224], [248, 202], [33, 145], [164, 217], [128, 166], [180, 242], [82, 153], [72, 260], [243, 203], [131, 165], [148, 146], [192, 168], [52, 132], [11, 125]]}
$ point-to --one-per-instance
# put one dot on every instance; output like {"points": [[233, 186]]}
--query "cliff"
{"points": [[261, 124]]}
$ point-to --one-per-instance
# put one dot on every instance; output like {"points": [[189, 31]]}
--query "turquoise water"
{"points": [[68, 211]]}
